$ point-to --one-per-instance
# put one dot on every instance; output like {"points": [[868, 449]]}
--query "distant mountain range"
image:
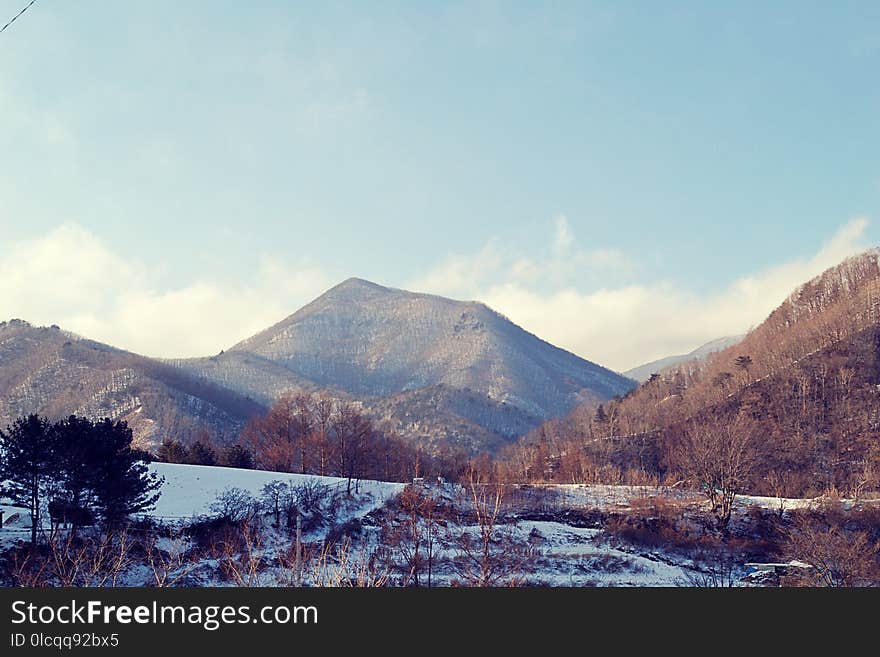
{"points": [[432, 369], [643, 372]]}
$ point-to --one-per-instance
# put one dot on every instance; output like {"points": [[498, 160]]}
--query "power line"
{"points": [[3, 29]]}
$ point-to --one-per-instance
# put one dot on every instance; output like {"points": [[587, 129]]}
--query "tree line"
{"points": [[315, 434], [77, 470]]}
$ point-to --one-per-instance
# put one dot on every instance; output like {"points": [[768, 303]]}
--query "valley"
{"points": [[378, 437]]}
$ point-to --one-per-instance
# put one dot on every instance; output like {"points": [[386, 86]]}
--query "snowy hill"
{"points": [[575, 535], [49, 371], [189, 490]]}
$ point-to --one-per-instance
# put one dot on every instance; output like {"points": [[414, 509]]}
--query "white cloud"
{"points": [[545, 269], [72, 278], [462, 276], [625, 325]]}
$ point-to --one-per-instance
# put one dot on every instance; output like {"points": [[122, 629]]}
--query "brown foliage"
{"points": [[838, 556], [656, 521], [807, 377], [412, 533], [312, 434], [719, 459], [96, 559]]}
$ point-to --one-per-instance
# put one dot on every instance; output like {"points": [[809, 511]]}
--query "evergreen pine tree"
{"points": [[172, 451], [78, 457], [236, 456], [202, 454], [28, 460], [123, 483]]}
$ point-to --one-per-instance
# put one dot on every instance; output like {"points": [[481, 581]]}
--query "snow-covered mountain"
{"points": [[49, 371], [643, 372], [430, 367]]}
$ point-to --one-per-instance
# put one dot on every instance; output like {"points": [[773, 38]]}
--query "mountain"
{"points": [[436, 371], [49, 371], [803, 387], [429, 367], [643, 372]]}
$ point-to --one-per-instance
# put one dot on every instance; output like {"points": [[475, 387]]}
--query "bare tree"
{"points": [[272, 495], [321, 433], [96, 560], [242, 561], [720, 459], [273, 437], [234, 504], [27, 569], [304, 414], [340, 565], [837, 557], [352, 432], [413, 534], [777, 480], [490, 556], [716, 568], [295, 563], [172, 564]]}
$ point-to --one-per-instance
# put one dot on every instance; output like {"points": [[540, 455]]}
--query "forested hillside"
{"points": [[801, 388], [49, 371]]}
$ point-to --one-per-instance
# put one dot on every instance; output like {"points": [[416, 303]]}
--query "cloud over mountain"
{"points": [[591, 301], [560, 297]]}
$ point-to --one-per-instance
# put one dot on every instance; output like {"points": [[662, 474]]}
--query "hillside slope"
{"points": [[803, 385], [55, 373]]}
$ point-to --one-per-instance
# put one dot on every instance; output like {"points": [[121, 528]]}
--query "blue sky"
{"points": [[197, 170]]}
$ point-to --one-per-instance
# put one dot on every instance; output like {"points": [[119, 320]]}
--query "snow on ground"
{"points": [[566, 555], [14, 528], [574, 556], [189, 490], [10, 511], [787, 503], [13, 523], [609, 497], [580, 556]]}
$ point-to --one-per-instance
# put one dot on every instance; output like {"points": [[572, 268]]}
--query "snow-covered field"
{"points": [[189, 490], [575, 556], [583, 556], [10, 521], [569, 547], [609, 497]]}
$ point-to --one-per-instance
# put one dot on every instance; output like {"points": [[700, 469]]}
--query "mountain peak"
{"points": [[372, 342], [355, 283], [352, 292], [360, 291]]}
